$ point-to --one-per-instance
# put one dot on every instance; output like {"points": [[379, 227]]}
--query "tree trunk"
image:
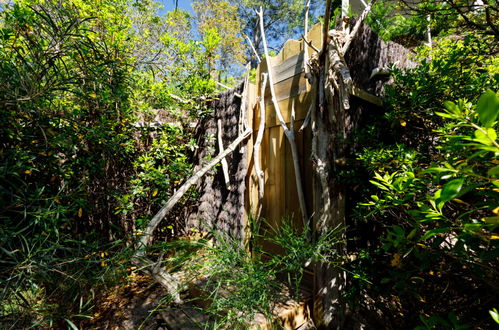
{"points": [[329, 281]]}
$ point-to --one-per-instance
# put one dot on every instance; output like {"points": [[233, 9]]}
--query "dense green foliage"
{"points": [[433, 198], [81, 169], [242, 285], [409, 21]]}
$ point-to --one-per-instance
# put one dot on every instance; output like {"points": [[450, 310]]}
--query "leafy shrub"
{"points": [[431, 205], [75, 174], [240, 284]]}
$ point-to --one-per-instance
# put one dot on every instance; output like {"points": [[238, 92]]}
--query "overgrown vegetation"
{"points": [[96, 101], [77, 176], [433, 193], [236, 285]]}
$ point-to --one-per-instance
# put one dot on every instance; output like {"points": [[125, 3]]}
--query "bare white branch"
{"points": [[146, 236], [356, 28], [225, 166], [288, 132], [253, 48], [258, 142]]}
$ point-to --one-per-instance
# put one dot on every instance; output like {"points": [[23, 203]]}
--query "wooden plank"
{"points": [[266, 168], [274, 185], [315, 36], [288, 88], [279, 197], [296, 85], [362, 94], [290, 193], [300, 147], [289, 68], [293, 47], [302, 104], [289, 49]]}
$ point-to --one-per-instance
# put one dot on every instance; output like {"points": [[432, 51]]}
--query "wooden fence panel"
{"points": [[281, 198]]}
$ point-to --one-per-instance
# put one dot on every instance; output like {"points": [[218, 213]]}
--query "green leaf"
{"points": [[438, 170], [473, 227], [491, 220], [483, 138], [399, 231], [492, 134], [452, 107], [451, 189], [495, 315], [484, 147], [412, 233], [433, 232], [446, 115], [71, 324], [493, 172], [487, 108]]}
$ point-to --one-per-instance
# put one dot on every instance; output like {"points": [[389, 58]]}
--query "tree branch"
{"points": [[258, 142], [253, 48], [225, 166], [289, 133], [356, 28], [146, 237]]}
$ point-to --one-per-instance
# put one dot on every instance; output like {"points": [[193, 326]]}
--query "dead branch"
{"points": [[428, 31], [306, 68], [340, 77], [258, 142], [146, 236], [225, 166], [309, 112], [244, 104], [288, 132], [310, 44], [356, 28], [228, 88], [179, 99], [325, 28], [253, 48], [171, 281]]}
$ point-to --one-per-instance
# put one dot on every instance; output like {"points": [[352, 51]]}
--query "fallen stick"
{"points": [[171, 281]]}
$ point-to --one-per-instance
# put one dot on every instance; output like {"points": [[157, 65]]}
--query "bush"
{"points": [[71, 162], [435, 197]]}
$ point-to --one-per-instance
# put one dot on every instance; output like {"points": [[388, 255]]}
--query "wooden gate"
{"points": [[281, 198]]}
